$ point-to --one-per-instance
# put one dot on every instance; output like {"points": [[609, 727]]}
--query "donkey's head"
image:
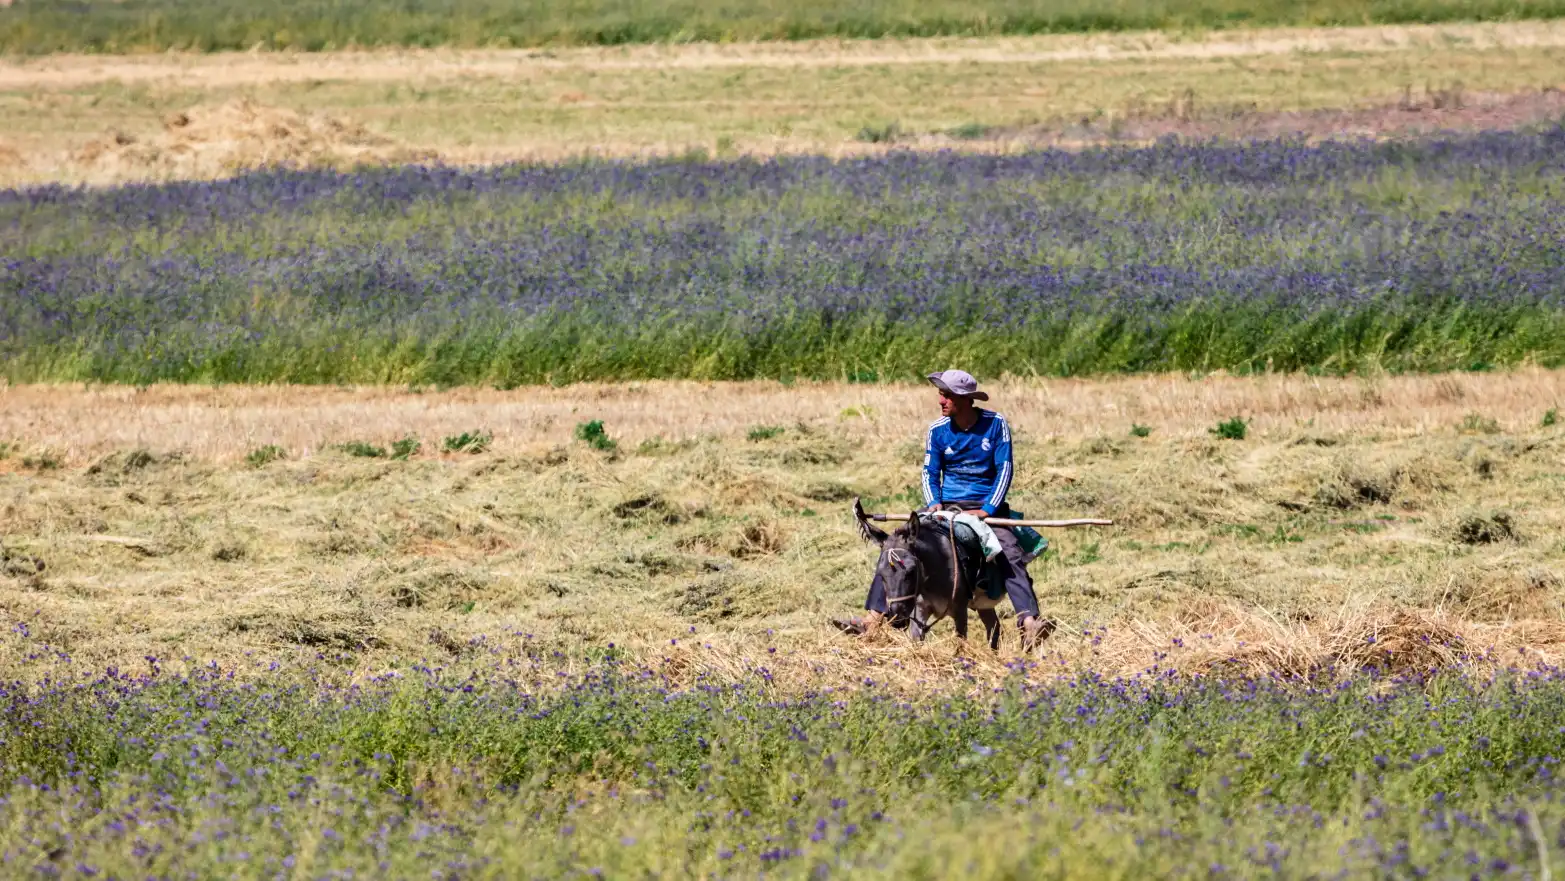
{"points": [[913, 567]]}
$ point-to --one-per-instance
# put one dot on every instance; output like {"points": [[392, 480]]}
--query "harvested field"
{"points": [[1424, 512], [994, 95]]}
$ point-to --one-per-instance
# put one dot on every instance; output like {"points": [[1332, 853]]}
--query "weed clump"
{"points": [[472, 442], [1137, 430], [42, 462], [1551, 417], [263, 456], [764, 432], [1233, 429], [406, 448], [1477, 423], [362, 450], [593, 435]]}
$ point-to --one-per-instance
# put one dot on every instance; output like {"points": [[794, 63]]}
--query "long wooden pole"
{"points": [[996, 521]]}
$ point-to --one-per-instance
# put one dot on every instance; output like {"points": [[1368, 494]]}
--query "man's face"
{"points": [[950, 404]]}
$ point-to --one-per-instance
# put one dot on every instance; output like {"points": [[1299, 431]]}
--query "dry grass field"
{"points": [[104, 119], [1399, 520]]}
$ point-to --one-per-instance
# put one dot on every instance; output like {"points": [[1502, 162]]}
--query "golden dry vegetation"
{"points": [[1386, 521], [98, 119]]}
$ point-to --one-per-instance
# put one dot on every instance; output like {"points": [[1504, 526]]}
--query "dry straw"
{"points": [[1361, 524]]}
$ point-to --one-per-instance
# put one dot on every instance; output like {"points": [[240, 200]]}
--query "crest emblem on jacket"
{"points": [[985, 444]]}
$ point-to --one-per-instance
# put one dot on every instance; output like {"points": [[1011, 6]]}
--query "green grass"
{"points": [[261, 456], [406, 448], [471, 442], [43, 26], [362, 450]]}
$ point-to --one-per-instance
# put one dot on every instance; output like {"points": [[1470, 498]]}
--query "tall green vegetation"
{"points": [[613, 770], [42, 26], [1421, 255]]}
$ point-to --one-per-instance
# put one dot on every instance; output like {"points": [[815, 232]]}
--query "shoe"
{"points": [[1035, 630]]}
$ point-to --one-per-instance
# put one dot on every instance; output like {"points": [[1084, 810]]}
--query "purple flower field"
{"points": [[1444, 253], [185, 770]]}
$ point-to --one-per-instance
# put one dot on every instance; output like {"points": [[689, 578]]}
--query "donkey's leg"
{"points": [[991, 627], [959, 618], [923, 618]]}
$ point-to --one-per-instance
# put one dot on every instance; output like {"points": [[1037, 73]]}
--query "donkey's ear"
{"points": [[912, 525], [866, 530]]}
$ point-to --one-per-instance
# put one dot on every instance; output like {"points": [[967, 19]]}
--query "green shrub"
{"points": [[406, 448], [42, 462], [363, 450], [1551, 417], [764, 432], [265, 455], [467, 442], [1233, 429], [1140, 430], [593, 435]]}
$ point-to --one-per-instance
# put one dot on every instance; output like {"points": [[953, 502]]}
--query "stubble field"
{"points": [[531, 575], [107, 118]]}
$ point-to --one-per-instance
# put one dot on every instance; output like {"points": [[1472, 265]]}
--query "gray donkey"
{"points": [[927, 576]]}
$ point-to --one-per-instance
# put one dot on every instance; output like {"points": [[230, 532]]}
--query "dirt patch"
{"points": [[240, 135]]}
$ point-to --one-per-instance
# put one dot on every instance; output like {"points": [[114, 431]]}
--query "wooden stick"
{"points": [[996, 521]]}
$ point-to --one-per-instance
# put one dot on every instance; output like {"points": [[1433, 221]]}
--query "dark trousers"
{"points": [[1007, 565]]}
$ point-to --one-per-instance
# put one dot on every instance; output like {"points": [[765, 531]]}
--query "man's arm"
{"points": [[1002, 468], [933, 466]]}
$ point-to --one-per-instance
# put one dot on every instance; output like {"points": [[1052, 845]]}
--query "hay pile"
{"points": [[1225, 637], [242, 135]]}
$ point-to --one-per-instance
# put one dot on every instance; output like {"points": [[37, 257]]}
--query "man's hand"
{"points": [[979, 513]]}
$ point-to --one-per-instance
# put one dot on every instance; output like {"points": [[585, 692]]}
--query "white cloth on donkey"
{"points": [[987, 540]]}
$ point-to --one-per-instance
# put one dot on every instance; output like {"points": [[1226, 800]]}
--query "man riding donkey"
{"points": [[968, 470]]}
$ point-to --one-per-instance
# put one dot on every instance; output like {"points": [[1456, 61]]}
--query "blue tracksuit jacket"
{"points": [[966, 466]]}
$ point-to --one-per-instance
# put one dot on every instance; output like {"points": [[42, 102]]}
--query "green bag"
{"points": [[1032, 542]]}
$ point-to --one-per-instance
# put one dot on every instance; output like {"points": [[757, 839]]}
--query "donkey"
{"points": [[925, 579]]}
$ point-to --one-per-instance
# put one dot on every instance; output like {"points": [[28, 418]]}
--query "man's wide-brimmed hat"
{"points": [[959, 383]]}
